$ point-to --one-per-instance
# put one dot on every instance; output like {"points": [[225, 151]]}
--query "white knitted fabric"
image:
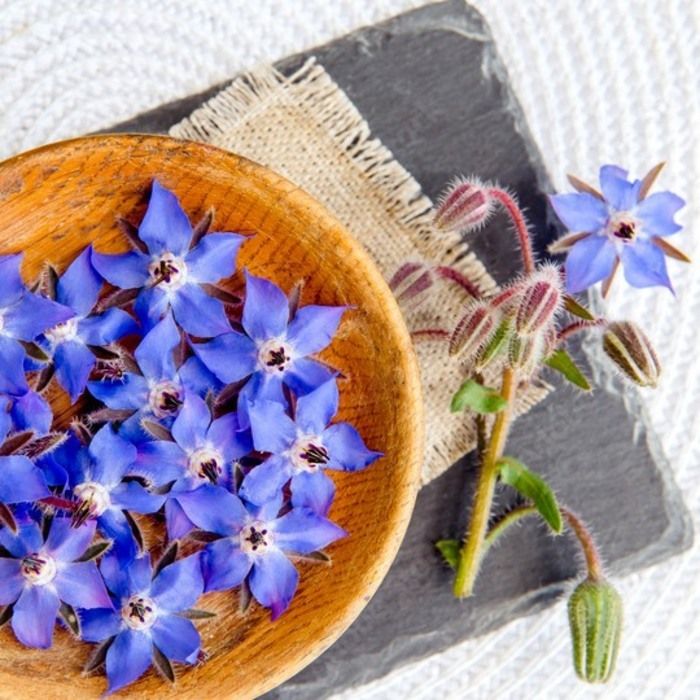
{"points": [[601, 81]]}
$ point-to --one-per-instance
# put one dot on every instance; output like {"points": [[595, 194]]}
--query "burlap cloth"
{"points": [[304, 127]]}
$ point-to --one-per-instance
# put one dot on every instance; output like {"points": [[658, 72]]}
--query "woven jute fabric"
{"points": [[304, 127]]}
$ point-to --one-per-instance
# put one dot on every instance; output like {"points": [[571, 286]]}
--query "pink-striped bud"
{"points": [[540, 300], [632, 352], [410, 282], [474, 329], [464, 206], [525, 351]]}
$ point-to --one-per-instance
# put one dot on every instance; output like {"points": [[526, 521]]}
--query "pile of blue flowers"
{"points": [[202, 410]]}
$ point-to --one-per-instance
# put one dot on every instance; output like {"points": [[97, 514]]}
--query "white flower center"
{"points": [[255, 538], [38, 569], [165, 399], [94, 497], [168, 271], [308, 453], [63, 332], [274, 355], [206, 463], [139, 613], [622, 227]]}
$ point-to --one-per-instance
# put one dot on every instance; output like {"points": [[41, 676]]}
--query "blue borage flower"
{"points": [[146, 614], [37, 575], [94, 480], [169, 272], [199, 461], [622, 225], [274, 350], [23, 316], [70, 343], [301, 449], [255, 543]]}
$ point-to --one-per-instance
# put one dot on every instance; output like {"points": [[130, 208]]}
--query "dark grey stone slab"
{"points": [[433, 90]]}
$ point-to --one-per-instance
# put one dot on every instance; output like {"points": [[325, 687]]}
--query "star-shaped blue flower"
{"points": [[146, 615], [301, 449], [622, 225], [274, 350], [254, 544], [70, 342], [170, 272], [23, 317], [39, 575]]}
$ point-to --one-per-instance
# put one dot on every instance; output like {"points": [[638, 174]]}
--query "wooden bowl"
{"points": [[56, 200]]}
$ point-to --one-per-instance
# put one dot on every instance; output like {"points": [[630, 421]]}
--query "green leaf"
{"points": [[496, 345], [450, 551], [479, 398], [576, 309], [533, 487], [561, 361]]}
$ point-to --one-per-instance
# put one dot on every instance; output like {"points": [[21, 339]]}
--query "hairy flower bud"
{"points": [[410, 282], [632, 352], [464, 206], [525, 351], [473, 330], [540, 299], [595, 619]]}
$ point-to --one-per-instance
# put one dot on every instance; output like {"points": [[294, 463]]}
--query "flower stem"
{"points": [[588, 546], [509, 204], [471, 553], [502, 525]]}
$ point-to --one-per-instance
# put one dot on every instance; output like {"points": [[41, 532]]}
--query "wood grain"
{"points": [[56, 200]]}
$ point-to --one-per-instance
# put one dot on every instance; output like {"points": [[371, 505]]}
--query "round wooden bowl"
{"points": [[56, 200]]}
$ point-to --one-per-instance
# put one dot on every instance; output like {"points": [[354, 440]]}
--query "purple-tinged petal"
{"points": [[273, 581], [197, 378], [273, 430], [589, 261], [128, 658], [313, 328], [224, 565], [266, 511], [112, 456], [32, 315], [260, 386], [32, 412], [20, 480], [106, 327], [346, 448], [66, 542], [191, 425], [580, 212], [199, 314], [114, 525], [265, 481], [657, 211], [304, 375], [11, 283], [131, 392], [161, 461], [79, 286], [125, 270], [266, 309], [6, 422], [230, 357], [81, 586], [12, 378], [645, 265], [11, 580], [165, 226], [73, 362], [617, 190], [151, 306], [314, 491], [226, 435], [126, 577], [315, 410], [130, 495], [155, 352], [213, 509], [28, 539], [178, 585], [177, 523], [302, 531], [98, 624], [177, 638], [34, 616], [214, 258]]}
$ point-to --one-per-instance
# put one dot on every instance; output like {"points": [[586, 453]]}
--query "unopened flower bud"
{"points": [[464, 206], [595, 619], [540, 299], [632, 352], [496, 344], [473, 330], [410, 282], [525, 351]]}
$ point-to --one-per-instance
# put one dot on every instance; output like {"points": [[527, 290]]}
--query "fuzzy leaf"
{"points": [[222, 295], [68, 615], [156, 430], [561, 361], [496, 345], [14, 442], [477, 397], [104, 352], [95, 550], [162, 664], [534, 488], [43, 445], [450, 552], [577, 309], [34, 351]]}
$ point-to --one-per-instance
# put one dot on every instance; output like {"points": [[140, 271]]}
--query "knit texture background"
{"points": [[600, 81]]}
